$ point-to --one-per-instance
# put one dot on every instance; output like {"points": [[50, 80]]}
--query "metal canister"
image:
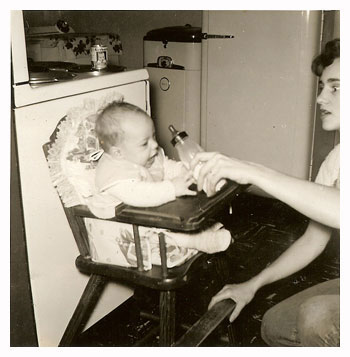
{"points": [[99, 57]]}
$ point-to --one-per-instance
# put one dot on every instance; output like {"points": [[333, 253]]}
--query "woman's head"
{"points": [[327, 67], [326, 57]]}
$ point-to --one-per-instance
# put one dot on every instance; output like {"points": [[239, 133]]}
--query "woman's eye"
{"points": [[335, 89]]}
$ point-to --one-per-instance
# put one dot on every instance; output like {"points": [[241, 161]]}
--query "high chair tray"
{"points": [[184, 214]]}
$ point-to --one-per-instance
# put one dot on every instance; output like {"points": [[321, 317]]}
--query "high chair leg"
{"points": [[167, 318], [84, 309]]}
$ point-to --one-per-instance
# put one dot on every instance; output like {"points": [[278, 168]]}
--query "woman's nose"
{"points": [[322, 97]]}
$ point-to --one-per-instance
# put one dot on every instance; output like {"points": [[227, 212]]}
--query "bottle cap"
{"points": [[177, 136]]}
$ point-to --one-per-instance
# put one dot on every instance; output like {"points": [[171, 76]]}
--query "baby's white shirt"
{"points": [[121, 181]]}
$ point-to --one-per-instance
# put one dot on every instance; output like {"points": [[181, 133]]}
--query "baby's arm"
{"points": [[142, 193], [150, 194], [173, 169]]}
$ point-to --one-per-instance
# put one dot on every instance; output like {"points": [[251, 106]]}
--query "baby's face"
{"points": [[139, 144]]}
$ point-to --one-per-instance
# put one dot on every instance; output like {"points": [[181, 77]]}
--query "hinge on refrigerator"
{"points": [[206, 36]]}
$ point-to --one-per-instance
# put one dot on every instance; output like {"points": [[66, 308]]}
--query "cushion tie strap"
{"points": [[95, 156]]}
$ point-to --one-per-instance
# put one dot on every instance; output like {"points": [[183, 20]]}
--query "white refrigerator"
{"points": [[258, 92], [56, 284]]}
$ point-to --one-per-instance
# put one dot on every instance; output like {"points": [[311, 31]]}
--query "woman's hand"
{"points": [[241, 294], [215, 166]]}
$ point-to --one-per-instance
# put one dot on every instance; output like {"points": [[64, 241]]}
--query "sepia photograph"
{"points": [[175, 178]]}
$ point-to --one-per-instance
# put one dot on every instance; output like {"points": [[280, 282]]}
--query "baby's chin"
{"points": [[149, 163]]}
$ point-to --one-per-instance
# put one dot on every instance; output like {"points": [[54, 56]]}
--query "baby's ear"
{"points": [[116, 152]]}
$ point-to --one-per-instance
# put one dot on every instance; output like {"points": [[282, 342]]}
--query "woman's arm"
{"points": [[297, 256], [318, 202], [302, 252]]}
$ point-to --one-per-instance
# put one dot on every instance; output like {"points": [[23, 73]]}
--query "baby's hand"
{"points": [[184, 171], [181, 184]]}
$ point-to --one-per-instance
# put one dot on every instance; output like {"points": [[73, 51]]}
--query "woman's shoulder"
{"points": [[335, 150], [333, 158], [330, 169]]}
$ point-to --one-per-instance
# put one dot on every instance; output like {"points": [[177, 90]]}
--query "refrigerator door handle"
{"points": [[206, 36]]}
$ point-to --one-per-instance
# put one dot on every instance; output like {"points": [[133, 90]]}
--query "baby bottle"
{"points": [[185, 147], [187, 150]]}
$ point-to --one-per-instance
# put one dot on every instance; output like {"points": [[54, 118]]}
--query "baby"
{"points": [[135, 171]]}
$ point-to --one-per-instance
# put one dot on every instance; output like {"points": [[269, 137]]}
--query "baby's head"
{"points": [[127, 132]]}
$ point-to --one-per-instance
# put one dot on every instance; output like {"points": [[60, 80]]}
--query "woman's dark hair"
{"points": [[326, 57]]}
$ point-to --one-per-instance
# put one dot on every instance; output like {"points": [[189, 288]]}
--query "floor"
{"points": [[262, 228]]}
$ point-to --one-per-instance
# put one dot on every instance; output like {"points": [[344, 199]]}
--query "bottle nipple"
{"points": [[177, 136], [173, 131]]}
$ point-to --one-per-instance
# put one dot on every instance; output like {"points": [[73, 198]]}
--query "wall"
{"points": [[131, 25], [259, 89], [336, 33]]}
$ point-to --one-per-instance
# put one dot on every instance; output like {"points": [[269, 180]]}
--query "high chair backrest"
{"points": [[76, 223]]}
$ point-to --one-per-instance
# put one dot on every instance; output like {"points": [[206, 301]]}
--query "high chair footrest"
{"points": [[176, 276]]}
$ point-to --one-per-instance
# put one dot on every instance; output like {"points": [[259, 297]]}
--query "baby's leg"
{"points": [[212, 240]]}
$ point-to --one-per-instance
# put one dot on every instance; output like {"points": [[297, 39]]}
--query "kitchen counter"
{"points": [[43, 73], [86, 81]]}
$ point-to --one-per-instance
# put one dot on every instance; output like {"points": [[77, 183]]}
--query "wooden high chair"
{"points": [[186, 214]]}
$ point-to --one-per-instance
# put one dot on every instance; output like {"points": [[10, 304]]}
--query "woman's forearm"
{"points": [[318, 202], [296, 257]]}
